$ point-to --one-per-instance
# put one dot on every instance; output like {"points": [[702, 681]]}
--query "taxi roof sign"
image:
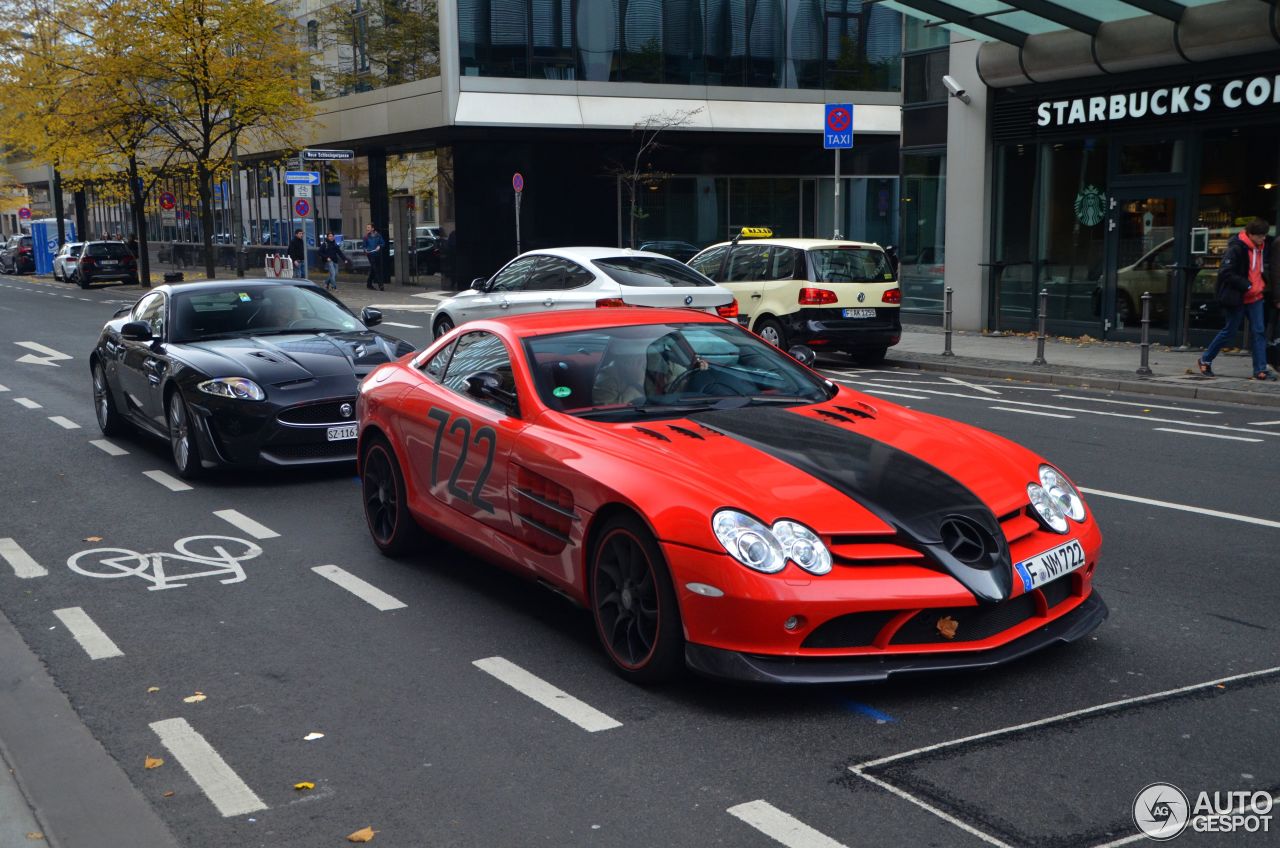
{"points": [[757, 232]]}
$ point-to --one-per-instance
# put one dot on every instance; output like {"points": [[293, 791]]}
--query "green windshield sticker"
{"points": [[562, 391], [888, 276], [245, 297]]}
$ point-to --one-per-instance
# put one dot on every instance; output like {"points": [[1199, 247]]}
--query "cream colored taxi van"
{"points": [[830, 295]]}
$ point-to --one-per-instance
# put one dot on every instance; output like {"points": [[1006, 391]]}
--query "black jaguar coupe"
{"points": [[245, 372]]}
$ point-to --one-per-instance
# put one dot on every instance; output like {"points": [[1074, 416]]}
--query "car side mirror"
{"points": [[803, 354], [478, 283], [370, 317], [487, 385], [136, 331]]}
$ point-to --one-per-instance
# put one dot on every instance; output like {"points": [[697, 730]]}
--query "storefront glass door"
{"points": [[1146, 254]]}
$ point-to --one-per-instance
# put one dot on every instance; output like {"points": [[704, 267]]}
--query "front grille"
{"points": [[856, 630], [1059, 590], [319, 413], [974, 623], [345, 449]]}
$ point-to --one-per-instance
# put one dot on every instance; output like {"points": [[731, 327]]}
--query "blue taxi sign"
{"points": [[837, 126]]}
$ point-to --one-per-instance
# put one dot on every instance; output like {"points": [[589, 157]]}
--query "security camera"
{"points": [[956, 89]]}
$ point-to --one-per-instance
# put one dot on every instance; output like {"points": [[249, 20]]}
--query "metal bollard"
{"points": [[1044, 314], [946, 322], [1144, 369]]}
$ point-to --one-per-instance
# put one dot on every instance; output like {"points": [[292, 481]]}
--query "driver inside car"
{"points": [[630, 373]]}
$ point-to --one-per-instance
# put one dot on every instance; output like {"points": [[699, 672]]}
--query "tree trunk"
{"points": [[139, 223], [205, 188]]}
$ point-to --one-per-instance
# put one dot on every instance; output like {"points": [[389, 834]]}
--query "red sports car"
{"points": [[716, 504]]}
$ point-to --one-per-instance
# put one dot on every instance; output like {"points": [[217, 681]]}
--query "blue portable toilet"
{"points": [[44, 241]]}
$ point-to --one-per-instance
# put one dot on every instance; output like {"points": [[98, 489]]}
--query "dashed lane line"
{"points": [[1142, 405], [1263, 423], [1031, 412], [96, 643], [366, 592], [108, 448], [170, 482], [20, 561], [246, 524], [557, 700], [780, 827], [4, 388], [882, 392], [1212, 513], [405, 326], [231, 795], [27, 402], [64, 422], [1206, 435]]}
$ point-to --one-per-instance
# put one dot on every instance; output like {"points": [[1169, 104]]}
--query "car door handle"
{"points": [[756, 296], [549, 302], [504, 305]]}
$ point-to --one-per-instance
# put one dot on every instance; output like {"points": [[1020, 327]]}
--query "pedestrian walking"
{"points": [[298, 253], [373, 249], [1241, 286], [133, 244], [331, 255]]}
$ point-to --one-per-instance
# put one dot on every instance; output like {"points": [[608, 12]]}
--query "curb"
{"points": [[1106, 382]]}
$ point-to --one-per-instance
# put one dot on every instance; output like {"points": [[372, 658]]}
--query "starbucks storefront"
{"points": [[1106, 189]]}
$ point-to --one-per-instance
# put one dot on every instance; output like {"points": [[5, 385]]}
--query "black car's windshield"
{"points": [[850, 265], [250, 309], [665, 370]]}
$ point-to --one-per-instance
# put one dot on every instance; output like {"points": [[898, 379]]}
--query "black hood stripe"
{"points": [[910, 495]]}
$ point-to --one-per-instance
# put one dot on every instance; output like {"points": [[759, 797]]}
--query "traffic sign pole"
{"points": [[517, 183], [836, 213], [837, 135]]}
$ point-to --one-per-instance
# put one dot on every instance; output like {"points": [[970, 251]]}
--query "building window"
{"points": [[313, 35], [924, 219]]}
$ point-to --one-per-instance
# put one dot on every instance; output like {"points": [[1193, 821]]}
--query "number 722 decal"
{"points": [[484, 434]]}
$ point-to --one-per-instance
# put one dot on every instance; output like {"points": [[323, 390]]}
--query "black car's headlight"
{"points": [[236, 388], [1055, 499], [767, 549]]}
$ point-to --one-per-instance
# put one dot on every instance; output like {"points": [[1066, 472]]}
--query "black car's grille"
{"points": [[856, 630], [319, 413], [345, 449], [972, 623]]}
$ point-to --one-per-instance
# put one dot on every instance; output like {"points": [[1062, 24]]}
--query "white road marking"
{"points": [[108, 448], [895, 394], [27, 402], [20, 561], [206, 767], [873, 388], [243, 522], [43, 355], [557, 700], [860, 768], [96, 643], [973, 386], [1206, 435], [1213, 513], [1143, 405], [406, 326], [781, 827], [366, 592], [1030, 412], [1263, 423], [171, 483], [64, 423], [4, 388]]}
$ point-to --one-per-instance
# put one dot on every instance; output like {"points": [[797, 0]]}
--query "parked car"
{"points": [[66, 260], [105, 260], [832, 295], [582, 278], [16, 256], [427, 255]]}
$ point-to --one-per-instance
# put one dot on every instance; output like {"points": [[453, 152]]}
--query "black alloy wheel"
{"points": [[81, 280], [771, 331], [386, 509], [104, 407], [443, 325], [634, 606], [186, 453]]}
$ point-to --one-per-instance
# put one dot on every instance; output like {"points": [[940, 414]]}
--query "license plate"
{"points": [[1050, 565], [109, 262], [859, 313], [337, 434]]}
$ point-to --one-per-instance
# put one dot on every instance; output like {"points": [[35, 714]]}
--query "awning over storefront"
{"points": [[1045, 40]]}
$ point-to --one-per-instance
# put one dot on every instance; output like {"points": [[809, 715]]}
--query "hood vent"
{"points": [[654, 433], [861, 411], [835, 416], [263, 355], [685, 431]]}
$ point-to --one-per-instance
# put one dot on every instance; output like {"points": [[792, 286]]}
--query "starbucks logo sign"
{"points": [[1090, 206]]}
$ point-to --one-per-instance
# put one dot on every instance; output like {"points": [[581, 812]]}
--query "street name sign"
{"points": [[315, 155]]}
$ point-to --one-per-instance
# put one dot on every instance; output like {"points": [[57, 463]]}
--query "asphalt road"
{"points": [[428, 748]]}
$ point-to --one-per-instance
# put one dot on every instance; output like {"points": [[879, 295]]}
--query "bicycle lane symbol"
{"points": [[220, 556]]}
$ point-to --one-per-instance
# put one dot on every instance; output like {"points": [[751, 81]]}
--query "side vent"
{"points": [[685, 431], [654, 433], [544, 509]]}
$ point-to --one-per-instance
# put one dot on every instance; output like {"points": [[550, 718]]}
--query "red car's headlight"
{"points": [[767, 549]]}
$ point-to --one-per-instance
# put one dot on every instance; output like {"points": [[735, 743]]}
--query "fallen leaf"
{"points": [[168, 794], [153, 762], [93, 538], [311, 737], [362, 835], [947, 626], [35, 836], [306, 784], [195, 699], [151, 690]]}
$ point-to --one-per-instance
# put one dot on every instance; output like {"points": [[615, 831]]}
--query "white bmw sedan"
{"points": [[583, 278]]}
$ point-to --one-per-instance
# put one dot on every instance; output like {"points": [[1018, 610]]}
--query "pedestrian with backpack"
{"points": [[1241, 291]]}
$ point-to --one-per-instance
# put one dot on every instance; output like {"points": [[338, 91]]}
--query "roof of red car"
{"points": [[539, 323]]}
